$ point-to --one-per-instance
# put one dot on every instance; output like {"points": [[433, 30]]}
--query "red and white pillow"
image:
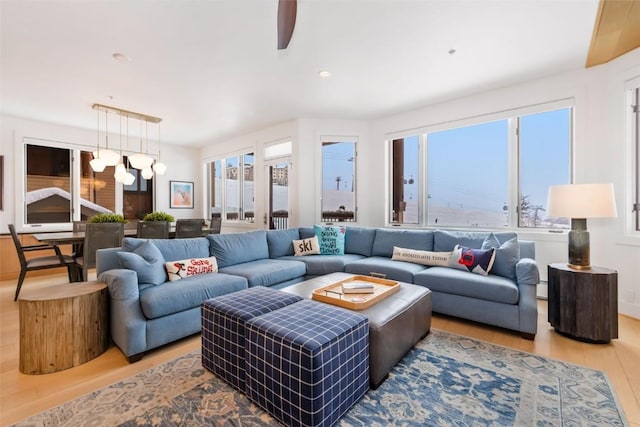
{"points": [[190, 267]]}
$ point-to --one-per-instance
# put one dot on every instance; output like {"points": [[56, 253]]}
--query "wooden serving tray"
{"points": [[332, 294]]}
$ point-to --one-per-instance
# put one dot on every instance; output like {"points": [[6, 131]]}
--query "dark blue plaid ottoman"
{"points": [[223, 328], [307, 363]]}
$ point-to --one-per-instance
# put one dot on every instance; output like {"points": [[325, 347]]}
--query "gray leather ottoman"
{"points": [[396, 323]]}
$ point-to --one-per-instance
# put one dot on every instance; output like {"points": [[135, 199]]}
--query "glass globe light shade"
{"points": [[147, 173], [111, 158], [97, 164], [159, 168], [120, 173], [140, 161], [129, 179]]}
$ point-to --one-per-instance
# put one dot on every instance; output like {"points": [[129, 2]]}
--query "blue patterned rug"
{"points": [[447, 380]]}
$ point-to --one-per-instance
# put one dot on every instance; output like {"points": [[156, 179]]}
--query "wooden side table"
{"points": [[63, 326], [583, 304]]}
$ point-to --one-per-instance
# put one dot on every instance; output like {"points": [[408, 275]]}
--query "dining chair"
{"points": [[40, 263], [216, 225], [98, 236], [153, 229], [186, 228], [78, 227]]}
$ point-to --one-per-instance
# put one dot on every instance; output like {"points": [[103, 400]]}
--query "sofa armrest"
{"points": [[528, 277], [122, 283], [527, 272], [128, 323]]}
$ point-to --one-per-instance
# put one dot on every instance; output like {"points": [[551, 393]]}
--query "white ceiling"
{"points": [[211, 69]]}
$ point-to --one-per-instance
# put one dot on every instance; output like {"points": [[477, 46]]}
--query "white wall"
{"points": [[600, 155], [182, 163]]}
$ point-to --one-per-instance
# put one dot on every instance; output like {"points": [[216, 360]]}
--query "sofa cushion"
{"points": [[445, 241], [358, 240], [331, 239], [394, 270], [507, 256], [385, 240], [279, 242], [180, 269], [421, 257], [306, 232], [147, 261], [319, 265], [478, 261], [173, 249], [267, 272], [238, 248], [458, 282], [306, 247], [188, 293]]}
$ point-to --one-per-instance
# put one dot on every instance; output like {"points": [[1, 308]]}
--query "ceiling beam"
{"points": [[616, 31]]}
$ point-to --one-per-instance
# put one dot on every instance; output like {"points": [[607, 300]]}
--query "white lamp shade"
{"points": [[120, 173], [140, 161], [159, 168], [129, 179], [582, 201], [147, 173], [111, 158], [97, 164]]}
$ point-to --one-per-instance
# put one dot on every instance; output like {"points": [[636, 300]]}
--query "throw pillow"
{"points": [[477, 261], [308, 246], [147, 261], [507, 256], [421, 257], [191, 267], [331, 239]]}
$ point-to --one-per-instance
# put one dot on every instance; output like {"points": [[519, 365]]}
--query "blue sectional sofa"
{"points": [[148, 311]]}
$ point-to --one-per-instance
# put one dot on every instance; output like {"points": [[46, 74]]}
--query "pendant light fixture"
{"points": [[138, 160]]}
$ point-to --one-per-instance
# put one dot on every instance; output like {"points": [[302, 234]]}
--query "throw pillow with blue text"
{"points": [[331, 239]]}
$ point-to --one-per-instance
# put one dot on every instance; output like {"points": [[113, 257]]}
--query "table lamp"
{"points": [[579, 202]]}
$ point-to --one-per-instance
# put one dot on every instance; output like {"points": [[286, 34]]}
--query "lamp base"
{"points": [[579, 245]]}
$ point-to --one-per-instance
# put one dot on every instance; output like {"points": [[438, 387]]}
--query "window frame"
{"points": [[75, 149], [513, 155], [240, 155], [632, 130], [337, 138]]}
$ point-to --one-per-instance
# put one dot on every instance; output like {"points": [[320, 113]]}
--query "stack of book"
{"points": [[357, 288]]}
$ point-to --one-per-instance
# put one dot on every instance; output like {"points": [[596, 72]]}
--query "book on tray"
{"points": [[357, 288]]}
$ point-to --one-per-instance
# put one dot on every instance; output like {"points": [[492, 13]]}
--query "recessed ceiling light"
{"points": [[121, 57], [324, 73]]}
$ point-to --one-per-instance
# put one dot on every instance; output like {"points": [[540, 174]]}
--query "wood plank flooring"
{"points": [[24, 395]]}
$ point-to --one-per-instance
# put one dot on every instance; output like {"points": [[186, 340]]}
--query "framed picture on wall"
{"points": [[181, 194]]}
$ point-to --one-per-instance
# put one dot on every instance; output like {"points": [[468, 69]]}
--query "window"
{"points": [[60, 186], [137, 198], [215, 187], [474, 175], [633, 95], [544, 143], [338, 180], [49, 185], [231, 195], [405, 191]]}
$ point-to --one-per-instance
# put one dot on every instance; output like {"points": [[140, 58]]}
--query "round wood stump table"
{"points": [[63, 326]]}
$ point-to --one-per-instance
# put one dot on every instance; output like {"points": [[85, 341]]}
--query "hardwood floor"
{"points": [[24, 395]]}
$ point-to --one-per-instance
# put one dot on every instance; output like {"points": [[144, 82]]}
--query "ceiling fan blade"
{"points": [[286, 21]]}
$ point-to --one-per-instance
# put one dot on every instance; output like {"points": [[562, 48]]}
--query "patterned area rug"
{"points": [[447, 380]]}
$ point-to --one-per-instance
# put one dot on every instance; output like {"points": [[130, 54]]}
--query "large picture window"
{"points": [[338, 180], [488, 174], [467, 175]]}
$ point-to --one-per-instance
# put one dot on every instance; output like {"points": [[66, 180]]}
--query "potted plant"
{"points": [[158, 216], [107, 217]]}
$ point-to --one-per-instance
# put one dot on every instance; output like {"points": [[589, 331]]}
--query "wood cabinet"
{"points": [[583, 304]]}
